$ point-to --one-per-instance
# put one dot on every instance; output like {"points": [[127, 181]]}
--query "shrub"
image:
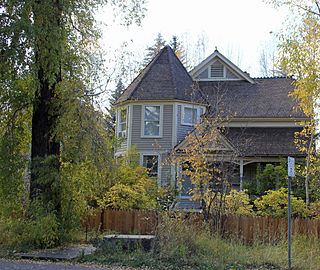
{"points": [[275, 204], [238, 202]]}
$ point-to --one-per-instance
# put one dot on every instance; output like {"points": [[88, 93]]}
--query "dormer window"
{"points": [[217, 70]]}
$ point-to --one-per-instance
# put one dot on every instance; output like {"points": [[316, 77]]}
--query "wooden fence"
{"points": [[243, 228], [138, 222], [249, 228]]}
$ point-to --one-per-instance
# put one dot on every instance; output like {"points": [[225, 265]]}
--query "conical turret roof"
{"points": [[164, 78]]}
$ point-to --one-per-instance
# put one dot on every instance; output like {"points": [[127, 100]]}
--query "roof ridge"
{"points": [[274, 77], [142, 74], [194, 83], [170, 51]]}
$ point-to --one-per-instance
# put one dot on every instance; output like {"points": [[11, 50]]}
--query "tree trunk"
{"points": [[47, 16], [43, 143]]}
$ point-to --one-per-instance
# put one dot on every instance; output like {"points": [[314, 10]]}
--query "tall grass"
{"points": [[183, 245]]}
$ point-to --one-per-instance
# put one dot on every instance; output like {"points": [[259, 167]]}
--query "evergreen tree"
{"points": [[178, 49], [115, 95], [154, 49]]}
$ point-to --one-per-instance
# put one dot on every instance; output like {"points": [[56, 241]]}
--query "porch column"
{"points": [[241, 173]]}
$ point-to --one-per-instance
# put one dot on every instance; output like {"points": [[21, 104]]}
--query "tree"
{"points": [[300, 58], [201, 159], [153, 50], [49, 75], [178, 49], [49, 41], [112, 101]]}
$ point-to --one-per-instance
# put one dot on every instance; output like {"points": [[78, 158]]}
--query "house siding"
{"points": [[230, 74], [124, 142], [203, 74], [156, 144], [182, 130], [161, 146], [165, 167]]}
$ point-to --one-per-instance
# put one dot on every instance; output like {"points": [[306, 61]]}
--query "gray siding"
{"points": [[203, 74], [165, 167], [148, 144], [182, 130], [124, 143], [230, 74], [188, 205]]}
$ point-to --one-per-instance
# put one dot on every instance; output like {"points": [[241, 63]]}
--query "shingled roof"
{"points": [[261, 142], [265, 98], [165, 78]]}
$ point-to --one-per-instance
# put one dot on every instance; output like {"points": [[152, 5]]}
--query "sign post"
{"points": [[290, 175]]}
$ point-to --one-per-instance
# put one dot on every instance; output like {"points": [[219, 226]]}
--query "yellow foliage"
{"points": [[275, 204], [238, 202]]}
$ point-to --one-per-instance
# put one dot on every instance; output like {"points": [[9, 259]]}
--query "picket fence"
{"points": [[243, 228]]}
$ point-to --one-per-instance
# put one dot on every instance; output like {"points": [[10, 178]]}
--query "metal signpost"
{"points": [[290, 175]]}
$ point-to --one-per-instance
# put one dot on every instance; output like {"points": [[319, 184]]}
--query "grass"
{"points": [[181, 246]]}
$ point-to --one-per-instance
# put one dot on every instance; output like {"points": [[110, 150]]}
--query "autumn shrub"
{"points": [[315, 209], [238, 203], [275, 204]]}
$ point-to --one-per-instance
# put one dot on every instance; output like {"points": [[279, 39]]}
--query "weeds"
{"points": [[184, 246]]}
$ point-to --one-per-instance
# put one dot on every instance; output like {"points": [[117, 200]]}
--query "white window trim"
{"points": [[119, 123], [183, 113], [159, 162], [160, 122]]}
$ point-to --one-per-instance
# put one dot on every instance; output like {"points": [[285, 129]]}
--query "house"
{"points": [[164, 102]]}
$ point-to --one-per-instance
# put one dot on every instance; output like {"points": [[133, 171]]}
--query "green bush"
{"points": [[275, 204]]}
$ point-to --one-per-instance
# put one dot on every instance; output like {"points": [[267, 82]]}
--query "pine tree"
{"points": [[115, 95], [178, 49], [154, 49]]}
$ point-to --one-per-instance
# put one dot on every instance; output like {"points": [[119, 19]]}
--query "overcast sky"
{"points": [[238, 28]]}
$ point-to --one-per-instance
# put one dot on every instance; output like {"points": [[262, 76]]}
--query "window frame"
{"points": [[158, 159], [183, 114], [119, 127], [143, 135], [182, 176]]}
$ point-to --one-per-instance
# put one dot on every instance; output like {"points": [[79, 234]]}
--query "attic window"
{"points": [[217, 70]]}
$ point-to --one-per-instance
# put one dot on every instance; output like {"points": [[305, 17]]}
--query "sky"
{"points": [[240, 29]]}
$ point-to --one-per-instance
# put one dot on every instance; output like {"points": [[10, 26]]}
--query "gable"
{"points": [[211, 139], [218, 68]]}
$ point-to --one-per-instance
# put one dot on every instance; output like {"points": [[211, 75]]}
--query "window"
{"points": [[186, 186], [151, 125], [122, 122], [151, 163], [217, 70], [190, 116]]}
